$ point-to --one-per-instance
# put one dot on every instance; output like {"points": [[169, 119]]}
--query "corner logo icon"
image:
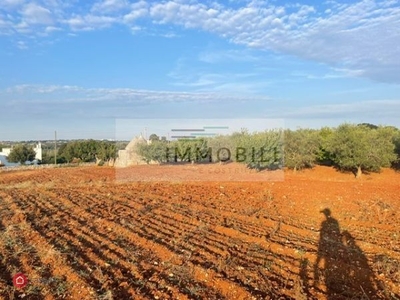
{"points": [[20, 280]]}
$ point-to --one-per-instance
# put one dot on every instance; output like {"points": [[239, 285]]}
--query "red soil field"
{"points": [[190, 232]]}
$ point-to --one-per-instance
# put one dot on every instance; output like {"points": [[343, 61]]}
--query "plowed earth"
{"points": [[78, 233]]}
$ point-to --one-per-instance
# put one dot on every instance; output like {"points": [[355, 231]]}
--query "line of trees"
{"points": [[87, 151], [101, 152], [259, 150], [348, 147]]}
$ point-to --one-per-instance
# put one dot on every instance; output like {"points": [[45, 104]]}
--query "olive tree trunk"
{"points": [[359, 172]]}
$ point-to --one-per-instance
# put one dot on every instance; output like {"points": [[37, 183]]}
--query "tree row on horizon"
{"points": [[357, 148]]}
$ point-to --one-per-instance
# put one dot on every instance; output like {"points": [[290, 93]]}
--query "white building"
{"points": [[38, 151], [5, 151]]}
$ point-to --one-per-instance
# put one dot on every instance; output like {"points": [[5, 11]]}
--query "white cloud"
{"points": [[22, 45], [50, 29], [40, 89], [35, 14], [23, 28], [117, 102], [4, 26], [136, 13], [170, 35], [336, 73], [90, 22], [138, 10], [224, 56], [56, 94], [361, 36], [109, 6], [10, 4], [245, 84], [372, 108]]}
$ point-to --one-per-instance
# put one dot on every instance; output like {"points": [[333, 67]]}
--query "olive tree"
{"points": [[155, 151], [360, 148], [396, 141], [324, 157], [21, 154], [222, 148], [106, 152], [301, 148], [154, 137], [88, 151], [260, 150], [190, 150]]}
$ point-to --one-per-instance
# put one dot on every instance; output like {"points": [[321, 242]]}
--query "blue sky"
{"points": [[79, 66]]}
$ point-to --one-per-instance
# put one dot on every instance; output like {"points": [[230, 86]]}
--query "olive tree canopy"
{"points": [[360, 148]]}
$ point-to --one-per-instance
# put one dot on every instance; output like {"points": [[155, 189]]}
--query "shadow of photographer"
{"points": [[341, 265]]}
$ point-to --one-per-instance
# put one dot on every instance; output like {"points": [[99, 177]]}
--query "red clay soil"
{"points": [[199, 232]]}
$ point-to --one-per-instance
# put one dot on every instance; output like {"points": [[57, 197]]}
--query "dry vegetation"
{"points": [[77, 233]]}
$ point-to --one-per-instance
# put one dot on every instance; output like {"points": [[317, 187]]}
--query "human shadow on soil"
{"points": [[345, 271]]}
